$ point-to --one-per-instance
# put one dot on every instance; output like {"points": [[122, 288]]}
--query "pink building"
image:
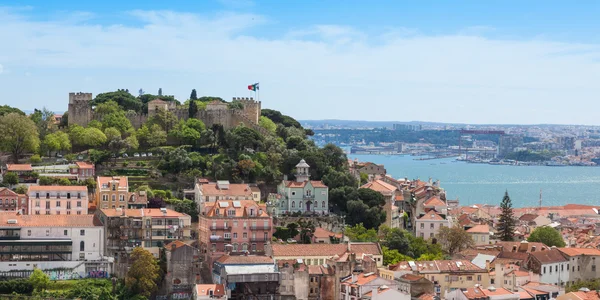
{"points": [[11, 201], [83, 170], [57, 200], [242, 225]]}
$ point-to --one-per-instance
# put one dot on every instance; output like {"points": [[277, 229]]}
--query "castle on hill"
{"points": [[216, 112]]}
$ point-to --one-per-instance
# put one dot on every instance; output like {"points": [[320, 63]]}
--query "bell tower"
{"points": [[302, 171]]}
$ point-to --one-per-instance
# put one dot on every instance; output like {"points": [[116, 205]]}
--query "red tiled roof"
{"points": [[84, 165], [579, 251], [58, 188], [204, 289], [399, 197], [139, 212], [244, 260], [431, 215], [18, 167], [411, 277], [303, 250], [360, 279], [380, 186], [7, 192], [295, 184], [482, 228], [528, 217], [177, 244], [227, 206], [315, 270], [434, 201], [548, 256], [105, 180], [47, 220], [426, 296], [321, 233], [234, 189]]}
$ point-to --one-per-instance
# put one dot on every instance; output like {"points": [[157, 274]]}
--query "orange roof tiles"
{"points": [[360, 279], [315, 270], [18, 167], [380, 186], [411, 277], [303, 250], [141, 212], [432, 216], [579, 251], [47, 220], [7, 192], [57, 188], [322, 233], [434, 201], [295, 184], [524, 295], [482, 228], [225, 207], [176, 244], [84, 165], [244, 260], [234, 189], [548, 256], [204, 289], [105, 180], [426, 296], [518, 273]]}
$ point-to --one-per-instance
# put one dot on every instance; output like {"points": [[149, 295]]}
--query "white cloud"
{"points": [[324, 71]]}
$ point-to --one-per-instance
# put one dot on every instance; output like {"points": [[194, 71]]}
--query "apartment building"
{"points": [[23, 171], [150, 228], [243, 224], [428, 225], [389, 192], [57, 200], [370, 286], [83, 170], [581, 263], [73, 243], [210, 192], [552, 266], [11, 201], [112, 192], [318, 254]]}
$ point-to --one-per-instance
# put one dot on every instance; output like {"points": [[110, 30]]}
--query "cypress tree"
{"points": [[160, 91], [194, 96], [506, 223], [192, 108]]}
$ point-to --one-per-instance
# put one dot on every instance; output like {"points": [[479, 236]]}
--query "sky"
{"points": [[478, 62]]}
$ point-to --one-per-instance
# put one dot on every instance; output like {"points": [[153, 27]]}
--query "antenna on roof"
{"points": [[540, 198]]}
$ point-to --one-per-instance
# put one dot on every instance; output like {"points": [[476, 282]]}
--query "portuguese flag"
{"points": [[253, 87]]}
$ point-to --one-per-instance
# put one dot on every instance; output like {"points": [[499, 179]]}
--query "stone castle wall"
{"points": [[80, 113]]}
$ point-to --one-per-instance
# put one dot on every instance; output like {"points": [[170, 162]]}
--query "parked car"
{"points": [[125, 155], [143, 154], [291, 241], [150, 154], [136, 155]]}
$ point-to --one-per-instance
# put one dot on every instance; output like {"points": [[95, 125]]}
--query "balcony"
{"points": [[308, 197], [259, 239], [260, 227], [221, 227]]}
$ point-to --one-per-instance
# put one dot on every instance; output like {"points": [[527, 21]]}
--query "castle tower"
{"points": [[251, 108], [80, 108], [302, 171]]}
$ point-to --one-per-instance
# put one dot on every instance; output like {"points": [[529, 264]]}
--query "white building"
{"points": [[552, 266], [73, 243], [58, 200], [428, 225]]}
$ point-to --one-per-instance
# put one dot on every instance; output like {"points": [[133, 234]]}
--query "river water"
{"points": [[485, 184]]}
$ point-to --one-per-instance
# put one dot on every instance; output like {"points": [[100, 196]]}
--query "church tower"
{"points": [[302, 171]]}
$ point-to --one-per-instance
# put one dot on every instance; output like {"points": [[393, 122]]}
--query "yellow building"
{"points": [[317, 254], [112, 192]]}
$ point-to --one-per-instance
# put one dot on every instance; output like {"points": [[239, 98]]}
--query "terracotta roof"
{"points": [[380, 186], [314, 270], [233, 190], [591, 295], [579, 251], [528, 217], [508, 246], [105, 180], [245, 260], [58, 188], [431, 215], [322, 233], [204, 289], [177, 244], [518, 273], [434, 201], [411, 277], [534, 291], [225, 207], [548, 256], [426, 296], [457, 266], [399, 197], [140, 212], [360, 279], [303, 250], [524, 295], [482, 228], [295, 184], [18, 167], [84, 165], [47, 220]]}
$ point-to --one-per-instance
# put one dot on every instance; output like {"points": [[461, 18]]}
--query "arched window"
{"points": [[282, 204], [245, 247], [235, 247], [323, 205], [301, 205], [293, 204], [82, 246]]}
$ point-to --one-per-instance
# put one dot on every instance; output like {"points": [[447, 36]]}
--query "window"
{"points": [[114, 197], [47, 195], [293, 193], [68, 204], [114, 187], [293, 204], [544, 272], [227, 235], [78, 195], [235, 235], [562, 267], [121, 198], [47, 212], [37, 203], [68, 212], [245, 225], [422, 235], [214, 225], [253, 247], [217, 212], [65, 232], [593, 268], [244, 247], [225, 224], [469, 278], [79, 212], [82, 232], [245, 235], [323, 204], [235, 224], [235, 247], [82, 246], [58, 212], [78, 203], [431, 226], [37, 195], [422, 225], [104, 197], [68, 195], [57, 203], [478, 277], [47, 232], [47, 204], [28, 232], [431, 235]]}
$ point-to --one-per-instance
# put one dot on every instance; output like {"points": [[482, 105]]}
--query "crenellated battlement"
{"points": [[79, 97]]}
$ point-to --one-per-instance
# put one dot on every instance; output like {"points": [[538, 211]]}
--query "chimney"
{"points": [[374, 294]]}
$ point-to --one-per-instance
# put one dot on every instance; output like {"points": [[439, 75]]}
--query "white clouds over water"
{"points": [[324, 71]]}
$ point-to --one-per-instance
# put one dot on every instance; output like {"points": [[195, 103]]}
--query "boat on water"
{"points": [[555, 164]]}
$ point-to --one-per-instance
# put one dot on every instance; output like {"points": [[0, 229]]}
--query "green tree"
{"points": [[44, 120], [108, 107], [358, 233], [39, 280], [506, 222], [57, 141], [35, 159], [192, 108], [10, 178], [454, 239], [158, 136], [117, 120], [5, 110], [64, 181], [267, 124], [165, 119], [122, 97], [364, 178], [143, 273], [392, 256], [43, 180], [112, 133], [547, 235], [18, 134], [21, 189], [334, 179], [175, 161], [160, 91], [193, 95], [371, 197]]}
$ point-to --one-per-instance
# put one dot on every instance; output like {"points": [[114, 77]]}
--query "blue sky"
{"points": [[450, 61]]}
